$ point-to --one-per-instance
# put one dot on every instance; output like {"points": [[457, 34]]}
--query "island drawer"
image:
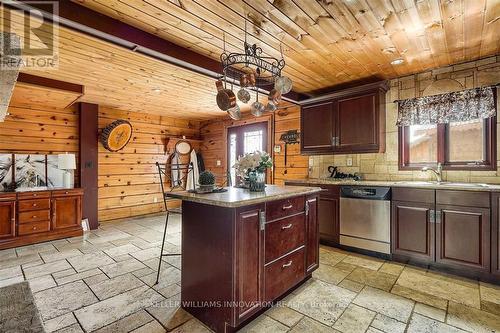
{"points": [[284, 273], [34, 216], [28, 205], [283, 236], [33, 227], [286, 207]]}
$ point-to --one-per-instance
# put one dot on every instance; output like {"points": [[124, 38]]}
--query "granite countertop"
{"points": [[413, 184], [238, 197]]}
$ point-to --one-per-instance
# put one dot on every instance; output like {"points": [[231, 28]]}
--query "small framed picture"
{"points": [[6, 172]]}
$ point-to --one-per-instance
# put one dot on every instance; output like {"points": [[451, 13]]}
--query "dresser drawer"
{"points": [[38, 204], [284, 235], [34, 216], [283, 274], [67, 192], [33, 195], [33, 227], [286, 207]]}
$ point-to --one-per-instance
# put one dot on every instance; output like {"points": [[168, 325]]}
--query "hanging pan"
{"points": [[225, 97]]}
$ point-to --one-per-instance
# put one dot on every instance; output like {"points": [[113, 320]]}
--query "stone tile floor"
{"points": [[103, 282]]}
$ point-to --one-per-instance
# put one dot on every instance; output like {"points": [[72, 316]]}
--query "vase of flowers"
{"points": [[252, 167]]}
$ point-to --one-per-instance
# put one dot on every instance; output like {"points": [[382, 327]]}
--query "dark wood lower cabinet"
{"points": [[328, 212], [66, 211], [413, 230], [7, 217], [463, 237], [240, 258], [495, 235], [312, 226], [39, 216], [249, 269]]}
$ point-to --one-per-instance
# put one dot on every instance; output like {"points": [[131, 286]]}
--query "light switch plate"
{"points": [[349, 161], [219, 163]]}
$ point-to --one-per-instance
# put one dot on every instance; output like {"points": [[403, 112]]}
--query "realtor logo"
{"points": [[29, 35]]}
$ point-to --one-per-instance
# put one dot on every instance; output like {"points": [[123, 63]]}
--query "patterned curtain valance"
{"points": [[446, 108]]}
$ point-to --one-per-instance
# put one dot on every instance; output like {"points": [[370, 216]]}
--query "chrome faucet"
{"points": [[438, 172]]}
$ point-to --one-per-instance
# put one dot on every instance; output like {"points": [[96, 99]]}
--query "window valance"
{"points": [[457, 106]]}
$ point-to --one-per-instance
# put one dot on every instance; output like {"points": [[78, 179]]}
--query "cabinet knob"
{"points": [[288, 264], [66, 192], [289, 206], [34, 228], [288, 226], [34, 194], [34, 216], [34, 205]]}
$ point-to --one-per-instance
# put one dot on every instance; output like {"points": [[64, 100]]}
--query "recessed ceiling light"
{"points": [[397, 62], [156, 90]]}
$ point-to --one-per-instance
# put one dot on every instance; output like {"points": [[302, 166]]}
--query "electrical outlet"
{"points": [[349, 161], [155, 200], [219, 163]]}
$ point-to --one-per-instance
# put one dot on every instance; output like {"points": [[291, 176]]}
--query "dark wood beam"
{"points": [[89, 133], [50, 83]]}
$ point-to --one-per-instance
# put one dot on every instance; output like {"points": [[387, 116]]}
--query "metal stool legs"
{"points": [[162, 247]]}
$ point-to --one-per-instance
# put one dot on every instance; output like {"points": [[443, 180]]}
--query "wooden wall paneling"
{"points": [[89, 161], [214, 135], [128, 180]]}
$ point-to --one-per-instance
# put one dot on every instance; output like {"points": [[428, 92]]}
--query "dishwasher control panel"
{"points": [[368, 193]]}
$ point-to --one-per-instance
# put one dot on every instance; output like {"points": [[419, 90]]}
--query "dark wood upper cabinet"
{"points": [[317, 123], [347, 121], [495, 234]]}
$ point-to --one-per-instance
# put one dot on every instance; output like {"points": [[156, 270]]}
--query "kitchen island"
{"points": [[242, 250]]}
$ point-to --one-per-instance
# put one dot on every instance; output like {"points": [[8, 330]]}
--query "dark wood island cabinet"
{"points": [[242, 250]]}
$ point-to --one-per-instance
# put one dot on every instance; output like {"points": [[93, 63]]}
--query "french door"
{"points": [[242, 140]]}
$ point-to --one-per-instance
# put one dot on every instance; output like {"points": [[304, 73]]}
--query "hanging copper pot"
{"points": [[225, 97]]}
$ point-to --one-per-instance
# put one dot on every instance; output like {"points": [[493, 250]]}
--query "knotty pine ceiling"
{"points": [[325, 42]]}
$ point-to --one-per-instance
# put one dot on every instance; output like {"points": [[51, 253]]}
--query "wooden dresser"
{"points": [[39, 216]]}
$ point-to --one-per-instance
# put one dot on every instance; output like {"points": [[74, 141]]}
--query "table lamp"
{"points": [[66, 162]]}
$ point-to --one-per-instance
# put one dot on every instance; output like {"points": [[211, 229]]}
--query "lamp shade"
{"points": [[66, 162]]}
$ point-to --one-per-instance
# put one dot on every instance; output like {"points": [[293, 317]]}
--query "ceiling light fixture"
{"points": [[156, 90], [397, 61]]}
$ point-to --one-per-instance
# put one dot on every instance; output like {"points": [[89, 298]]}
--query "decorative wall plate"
{"points": [[116, 135]]}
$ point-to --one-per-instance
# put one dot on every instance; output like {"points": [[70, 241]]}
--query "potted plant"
{"points": [[252, 168], [206, 181]]}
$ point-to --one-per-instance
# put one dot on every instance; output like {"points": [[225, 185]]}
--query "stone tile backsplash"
{"points": [[384, 166]]}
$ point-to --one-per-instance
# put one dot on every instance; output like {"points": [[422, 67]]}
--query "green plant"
{"points": [[206, 178]]}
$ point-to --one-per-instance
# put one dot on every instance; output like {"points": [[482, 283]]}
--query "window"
{"points": [[457, 146]]}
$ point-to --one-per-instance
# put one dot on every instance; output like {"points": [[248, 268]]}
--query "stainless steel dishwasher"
{"points": [[365, 218]]}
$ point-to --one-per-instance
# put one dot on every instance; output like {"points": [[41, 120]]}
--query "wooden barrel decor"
{"points": [[116, 135]]}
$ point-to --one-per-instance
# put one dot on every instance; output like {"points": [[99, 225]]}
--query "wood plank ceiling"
{"points": [[325, 42], [118, 78]]}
